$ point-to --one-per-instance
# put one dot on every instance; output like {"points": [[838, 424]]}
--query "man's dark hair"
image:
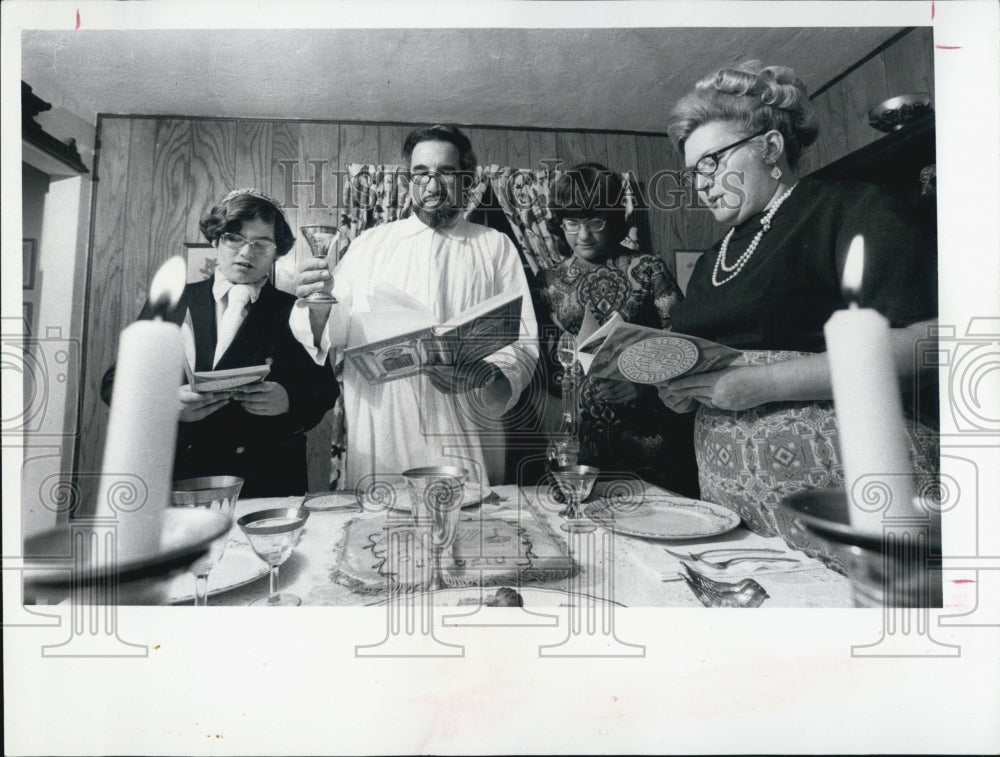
{"points": [[441, 133]]}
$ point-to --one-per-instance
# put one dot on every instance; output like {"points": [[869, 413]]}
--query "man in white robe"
{"points": [[448, 415]]}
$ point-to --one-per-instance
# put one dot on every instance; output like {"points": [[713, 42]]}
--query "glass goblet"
{"points": [[576, 482], [321, 240], [436, 495], [564, 446], [217, 493], [273, 535]]}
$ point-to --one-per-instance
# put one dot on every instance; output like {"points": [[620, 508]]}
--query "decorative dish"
{"points": [[896, 112]]}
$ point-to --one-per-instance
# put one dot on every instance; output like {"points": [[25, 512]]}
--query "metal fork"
{"points": [[723, 564]]}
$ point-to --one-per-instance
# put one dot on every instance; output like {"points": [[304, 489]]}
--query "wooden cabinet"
{"points": [[903, 162]]}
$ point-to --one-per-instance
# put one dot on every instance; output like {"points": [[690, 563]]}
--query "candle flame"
{"points": [[854, 268], [168, 285]]}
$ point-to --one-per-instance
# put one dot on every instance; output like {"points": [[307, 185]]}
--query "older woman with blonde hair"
{"points": [[765, 427]]}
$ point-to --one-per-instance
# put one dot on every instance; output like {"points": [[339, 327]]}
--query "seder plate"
{"points": [[662, 516]]}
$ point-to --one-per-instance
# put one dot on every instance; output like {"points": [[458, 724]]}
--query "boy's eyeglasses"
{"points": [[258, 246]]}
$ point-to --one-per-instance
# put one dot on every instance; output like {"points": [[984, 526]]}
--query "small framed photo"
{"points": [[684, 262], [28, 255], [201, 261]]}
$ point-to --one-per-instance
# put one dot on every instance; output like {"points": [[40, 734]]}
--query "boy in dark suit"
{"points": [[239, 319]]}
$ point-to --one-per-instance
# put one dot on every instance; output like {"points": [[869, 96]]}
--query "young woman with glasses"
{"points": [[623, 426]]}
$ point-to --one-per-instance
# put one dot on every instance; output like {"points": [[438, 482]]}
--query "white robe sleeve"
{"points": [[516, 361]]}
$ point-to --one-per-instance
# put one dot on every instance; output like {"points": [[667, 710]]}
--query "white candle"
{"points": [[873, 442], [136, 474]]}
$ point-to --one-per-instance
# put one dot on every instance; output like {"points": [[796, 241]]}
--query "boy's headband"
{"points": [[260, 196]]}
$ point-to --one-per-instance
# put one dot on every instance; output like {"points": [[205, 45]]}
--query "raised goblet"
{"points": [[436, 495], [576, 483], [217, 493], [322, 241], [273, 535]]}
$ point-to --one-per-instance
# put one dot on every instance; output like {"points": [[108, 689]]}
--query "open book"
{"points": [[392, 348], [216, 381], [220, 381], [626, 352]]}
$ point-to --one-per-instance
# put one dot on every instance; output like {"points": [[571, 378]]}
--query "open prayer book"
{"points": [[401, 337], [216, 381], [624, 351]]}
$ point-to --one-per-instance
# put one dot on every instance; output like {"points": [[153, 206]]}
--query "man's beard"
{"points": [[438, 216]]}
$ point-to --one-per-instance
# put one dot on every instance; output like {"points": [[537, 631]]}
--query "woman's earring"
{"points": [[775, 173]]}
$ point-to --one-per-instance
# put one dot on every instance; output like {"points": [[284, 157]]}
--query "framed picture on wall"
{"points": [[28, 264], [684, 262], [202, 259]]}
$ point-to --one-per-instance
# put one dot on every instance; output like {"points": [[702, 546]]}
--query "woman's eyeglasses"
{"points": [[573, 226], [708, 164], [258, 246]]}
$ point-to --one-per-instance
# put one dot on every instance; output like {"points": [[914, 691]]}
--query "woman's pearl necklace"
{"points": [[735, 268]]}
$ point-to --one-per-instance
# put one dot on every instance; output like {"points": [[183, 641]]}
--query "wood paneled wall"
{"points": [[905, 66], [156, 176]]}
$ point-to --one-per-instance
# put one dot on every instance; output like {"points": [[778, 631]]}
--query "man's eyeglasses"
{"points": [[708, 164], [423, 178], [573, 226], [258, 246]]}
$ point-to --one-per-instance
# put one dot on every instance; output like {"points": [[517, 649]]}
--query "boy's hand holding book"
{"points": [[196, 406]]}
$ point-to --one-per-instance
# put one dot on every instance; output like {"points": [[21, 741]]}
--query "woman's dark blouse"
{"points": [[792, 283], [642, 436]]}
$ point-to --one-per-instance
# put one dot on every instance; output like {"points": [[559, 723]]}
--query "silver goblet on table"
{"points": [[436, 495]]}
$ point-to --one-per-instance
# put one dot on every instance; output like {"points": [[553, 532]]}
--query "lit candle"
{"points": [[142, 428], [873, 442]]}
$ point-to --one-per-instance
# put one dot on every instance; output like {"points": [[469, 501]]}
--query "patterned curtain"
{"points": [[523, 195], [524, 198], [374, 195]]}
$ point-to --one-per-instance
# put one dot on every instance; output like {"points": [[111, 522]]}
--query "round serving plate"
{"points": [[239, 566], [662, 516]]}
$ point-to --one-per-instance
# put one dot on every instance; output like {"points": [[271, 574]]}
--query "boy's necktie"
{"points": [[232, 318]]}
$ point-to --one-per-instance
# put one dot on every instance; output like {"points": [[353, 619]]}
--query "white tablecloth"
{"points": [[643, 575]]}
